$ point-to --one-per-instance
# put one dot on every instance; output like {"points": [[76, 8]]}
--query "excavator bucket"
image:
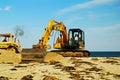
{"points": [[32, 54]]}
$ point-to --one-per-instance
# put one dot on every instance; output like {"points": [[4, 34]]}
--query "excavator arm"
{"points": [[61, 41]]}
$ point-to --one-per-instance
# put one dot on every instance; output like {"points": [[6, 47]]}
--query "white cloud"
{"points": [[72, 20], [105, 28], [0, 9], [84, 5], [7, 8], [92, 15]]}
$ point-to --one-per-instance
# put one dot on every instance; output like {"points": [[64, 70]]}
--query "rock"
{"points": [[19, 66], [3, 78], [74, 76], [50, 78], [88, 63], [117, 76], [76, 61], [54, 62], [68, 68], [110, 61], [82, 62], [94, 69], [13, 69], [27, 77], [58, 66]]}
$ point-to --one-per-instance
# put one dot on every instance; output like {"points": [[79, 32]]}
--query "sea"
{"points": [[104, 53]]}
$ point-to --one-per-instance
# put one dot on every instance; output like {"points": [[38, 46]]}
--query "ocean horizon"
{"points": [[104, 53]]}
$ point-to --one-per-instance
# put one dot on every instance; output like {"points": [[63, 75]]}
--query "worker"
{"points": [[76, 39], [5, 39]]}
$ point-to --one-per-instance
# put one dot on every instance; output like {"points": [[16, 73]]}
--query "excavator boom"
{"points": [[52, 25]]}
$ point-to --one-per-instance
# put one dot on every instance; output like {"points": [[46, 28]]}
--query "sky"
{"points": [[99, 19]]}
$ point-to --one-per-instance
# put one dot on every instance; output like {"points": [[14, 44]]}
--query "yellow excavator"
{"points": [[68, 44]]}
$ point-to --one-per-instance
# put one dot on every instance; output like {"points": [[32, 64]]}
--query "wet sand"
{"points": [[92, 68]]}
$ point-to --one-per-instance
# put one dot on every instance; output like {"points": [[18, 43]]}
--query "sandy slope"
{"points": [[66, 69]]}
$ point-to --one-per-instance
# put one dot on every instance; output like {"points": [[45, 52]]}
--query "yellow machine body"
{"points": [[10, 51]]}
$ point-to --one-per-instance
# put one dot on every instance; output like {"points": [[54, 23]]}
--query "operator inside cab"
{"points": [[5, 39], [76, 39]]}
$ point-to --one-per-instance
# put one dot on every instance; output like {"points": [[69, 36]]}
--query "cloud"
{"points": [[84, 5], [105, 28], [7, 8], [72, 20], [92, 15], [0, 9]]}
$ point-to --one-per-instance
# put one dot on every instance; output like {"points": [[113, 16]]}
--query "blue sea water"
{"points": [[105, 53]]}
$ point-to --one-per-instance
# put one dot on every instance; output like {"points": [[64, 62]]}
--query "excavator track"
{"points": [[72, 53]]}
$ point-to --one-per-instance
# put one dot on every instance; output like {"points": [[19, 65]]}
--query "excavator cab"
{"points": [[75, 46], [76, 39]]}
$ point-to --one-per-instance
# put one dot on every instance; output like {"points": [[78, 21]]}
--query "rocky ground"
{"points": [[92, 68]]}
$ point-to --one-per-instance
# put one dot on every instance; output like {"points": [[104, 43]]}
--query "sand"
{"points": [[92, 68], [9, 56]]}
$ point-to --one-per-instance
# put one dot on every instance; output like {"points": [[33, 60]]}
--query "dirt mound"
{"points": [[3, 78], [27, 77], [52, 56], [50, 78], [8, 56]]}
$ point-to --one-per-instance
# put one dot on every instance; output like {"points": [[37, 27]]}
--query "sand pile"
{"points": [[52, 56], [9, 56]]}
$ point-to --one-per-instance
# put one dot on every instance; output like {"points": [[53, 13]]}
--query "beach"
{"points": [[91, 68]]}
